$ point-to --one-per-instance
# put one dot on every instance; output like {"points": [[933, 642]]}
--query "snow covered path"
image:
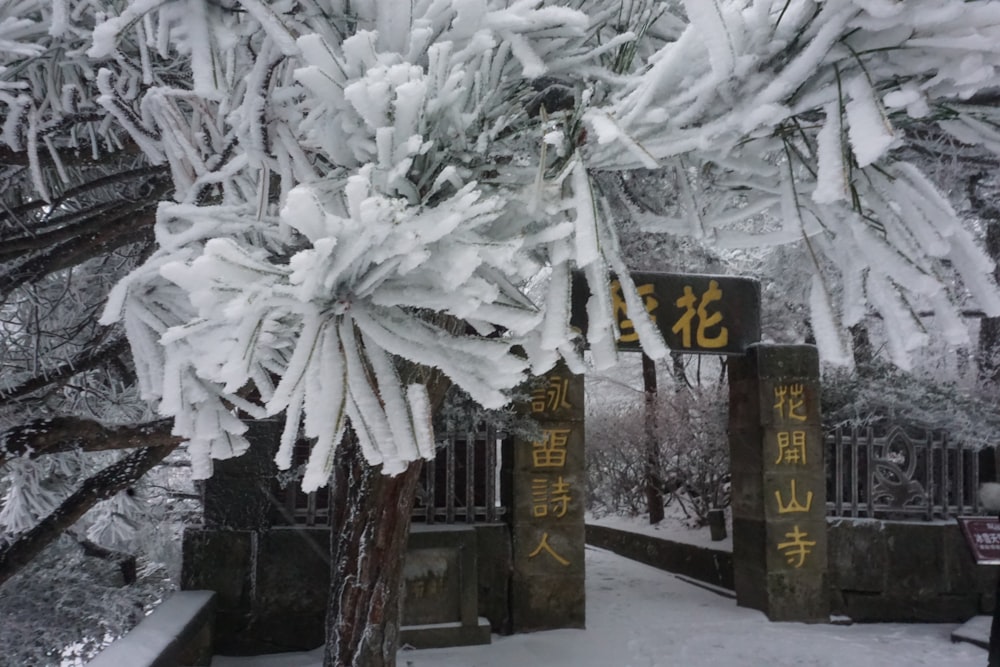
{"points": [[638, 616]]}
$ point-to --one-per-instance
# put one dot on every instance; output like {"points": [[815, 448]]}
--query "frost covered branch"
{"points": [[105, 484], [342, 179], [65, 434]]}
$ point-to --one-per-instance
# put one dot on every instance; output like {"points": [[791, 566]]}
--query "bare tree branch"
{"points": [[127, 227], [63, 434]]}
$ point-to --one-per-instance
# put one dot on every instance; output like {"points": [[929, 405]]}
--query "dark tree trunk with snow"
{"points": [[989, 327], [653, 477], [369, 529]]}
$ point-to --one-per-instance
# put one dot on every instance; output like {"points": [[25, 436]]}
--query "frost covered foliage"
{"points": [[787, 114], [382, 184], [66, 606], [31, 490], [884, 396], [360, 191]]}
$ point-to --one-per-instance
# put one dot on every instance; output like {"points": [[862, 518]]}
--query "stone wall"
{"points": [[712, 566], [878, 570], [271, 585], [905, 571]]}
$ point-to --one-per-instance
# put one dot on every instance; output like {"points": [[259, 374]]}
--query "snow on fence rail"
{"points": [[897, 475], [177, 632]]}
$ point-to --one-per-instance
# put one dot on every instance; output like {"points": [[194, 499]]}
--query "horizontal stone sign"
{"points": [[982, 534], [695, 313]]}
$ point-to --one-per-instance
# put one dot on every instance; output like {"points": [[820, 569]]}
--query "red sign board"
{"points": [[982, 534]]}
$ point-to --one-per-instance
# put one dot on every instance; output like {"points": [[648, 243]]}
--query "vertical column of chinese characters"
{"points": [[548, 530], [793, 483], [551, 492]]}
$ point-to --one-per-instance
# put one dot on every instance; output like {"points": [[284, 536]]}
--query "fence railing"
{"points": [[462, 485], [899, 475]]}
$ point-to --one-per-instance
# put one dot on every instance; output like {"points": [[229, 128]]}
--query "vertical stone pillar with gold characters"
{"points": [[779, 483], [547, 516]]}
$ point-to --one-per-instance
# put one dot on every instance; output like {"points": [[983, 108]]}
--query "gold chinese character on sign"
{"points": [[552, 396], [550, 452], [793, 505], [544, 546], [797, 547], [620, 308], [792, 447], [791, 402], [549, 496], [706, 320]]}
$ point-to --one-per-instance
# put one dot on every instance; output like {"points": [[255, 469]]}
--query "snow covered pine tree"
{"points": [[347, 200]]}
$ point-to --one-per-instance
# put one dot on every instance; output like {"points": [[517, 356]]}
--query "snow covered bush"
{"points": [[692, 458], [885, 396]]}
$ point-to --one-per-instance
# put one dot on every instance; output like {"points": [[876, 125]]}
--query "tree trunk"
{"points": [[654, 493], [369, 529], [861, 345], [989, 327]]}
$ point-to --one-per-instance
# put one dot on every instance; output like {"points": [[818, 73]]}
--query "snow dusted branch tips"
{"points": [[356, 186], [356, 217], [800, 107]]}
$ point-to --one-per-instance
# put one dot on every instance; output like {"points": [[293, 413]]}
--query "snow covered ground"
{"points": [[638, 616]]}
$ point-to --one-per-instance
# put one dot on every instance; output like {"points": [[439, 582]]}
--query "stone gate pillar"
{"points": [[778, 483], [547, 587]]}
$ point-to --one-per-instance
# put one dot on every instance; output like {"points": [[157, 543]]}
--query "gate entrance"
{"points": [[776, 444]]}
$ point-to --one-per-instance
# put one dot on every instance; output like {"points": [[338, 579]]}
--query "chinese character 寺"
{"points": [[791, 402], [797, 548], [547, 496], [552, 396], [793, 505], [705, 320], [544, 546], [551, 451], [618, 305], [792, 447]]}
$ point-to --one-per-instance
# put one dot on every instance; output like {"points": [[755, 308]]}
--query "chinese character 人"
{"points": [[544, 545]]}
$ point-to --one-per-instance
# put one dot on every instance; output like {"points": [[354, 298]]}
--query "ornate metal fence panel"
{"points": [[897, 475]]}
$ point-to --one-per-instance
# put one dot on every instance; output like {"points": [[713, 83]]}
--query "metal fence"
{"points": [[460, 486], [294, 507], [900, 475]]}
